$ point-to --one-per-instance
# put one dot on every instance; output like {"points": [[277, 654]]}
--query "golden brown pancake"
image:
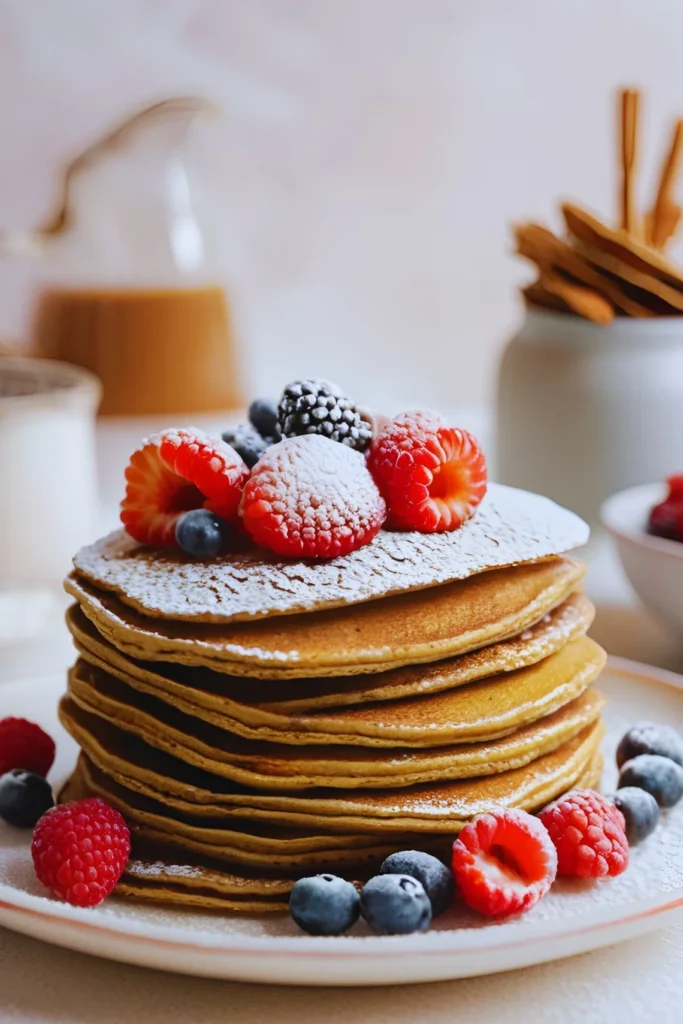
{"points": [[268, 846], [510, 527], [420, 627], [182, 788], [169, 875], [281, 768], [566, 622], [465, 714]]}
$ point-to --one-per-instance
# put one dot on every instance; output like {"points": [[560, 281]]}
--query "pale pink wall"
{"points": [[369, 159]]}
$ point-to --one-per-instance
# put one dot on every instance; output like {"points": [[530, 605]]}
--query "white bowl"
{"points": [[654, 566]]}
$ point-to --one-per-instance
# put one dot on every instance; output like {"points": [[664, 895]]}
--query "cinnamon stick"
{"points": [[629, 102], [665, 215]]}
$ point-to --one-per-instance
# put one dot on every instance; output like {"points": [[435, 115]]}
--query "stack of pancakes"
{"points": [[257, 720]]}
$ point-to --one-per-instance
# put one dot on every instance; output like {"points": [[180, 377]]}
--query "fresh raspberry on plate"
{"points": [[589, 834], [80, 850], [431, 476], [24, 744], [309, 497], [504, 862], [176, 471]]}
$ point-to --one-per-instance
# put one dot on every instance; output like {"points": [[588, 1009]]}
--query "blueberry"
{"points": [[435, 877], [650, 738], [263, 416], [247, 442], [324, 904], [657, 775], [641, 811], [24, 797], [395, 905], [200, 533]]}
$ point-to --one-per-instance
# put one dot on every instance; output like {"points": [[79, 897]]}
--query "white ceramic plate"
{"points": [[574, 918]]}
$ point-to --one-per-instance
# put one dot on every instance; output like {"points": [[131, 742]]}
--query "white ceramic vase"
{"points": [[586, 410]]}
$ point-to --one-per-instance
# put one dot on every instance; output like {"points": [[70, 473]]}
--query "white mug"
{"points": [[48, 493]]}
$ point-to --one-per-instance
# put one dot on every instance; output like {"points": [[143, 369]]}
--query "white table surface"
{"points": [[638, 981]]}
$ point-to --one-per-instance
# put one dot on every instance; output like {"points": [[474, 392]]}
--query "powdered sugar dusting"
{"points": [[509, 527]]}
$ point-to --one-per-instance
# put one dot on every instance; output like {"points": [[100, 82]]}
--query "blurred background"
{"points": [[369, 157]]}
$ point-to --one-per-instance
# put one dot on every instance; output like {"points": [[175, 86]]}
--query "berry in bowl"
{"points": [[646, 523]]}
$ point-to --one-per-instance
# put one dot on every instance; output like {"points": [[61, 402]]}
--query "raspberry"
{"points": [[589, 834], [80, 851], [25, 745], [504, 862], [431, 476], [666, 519], [311, 497], [174, 472]]}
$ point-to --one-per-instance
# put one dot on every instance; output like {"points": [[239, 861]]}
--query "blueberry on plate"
{"points": [[640, 810], [201, 533], [247, 442], [650, 738], [655, 774], [395, 905], [324, 904], [24, 797], [436, 879], [263, 417]]}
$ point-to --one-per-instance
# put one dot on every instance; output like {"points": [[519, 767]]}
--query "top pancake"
{"points": [[510, 527], [373, 637]]}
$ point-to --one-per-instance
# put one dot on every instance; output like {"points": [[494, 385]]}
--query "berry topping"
{"points": [[263, 417], [247, 442], [657, 775], [201, 533], [650, 738], [25, 745], [309, 497], [395, 905], [319, 407], [80, 851], [24, 797], [589, 835], [431, 476], [324, 905], [504, 862], [640, 810], [666, 519], [434, 876], [174, 472]]}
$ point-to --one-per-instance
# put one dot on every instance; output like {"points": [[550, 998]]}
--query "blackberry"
{"points": [[319, 407], [247, 442]]}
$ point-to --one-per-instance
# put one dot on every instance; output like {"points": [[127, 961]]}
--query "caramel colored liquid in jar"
{"points": [[156, 351]]}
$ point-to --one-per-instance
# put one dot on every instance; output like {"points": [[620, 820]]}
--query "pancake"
{"points": [[266, 846], [166, 875], [465, 714], [566, 622], [180, 787], [510, 527], [412, 628], [279, 768]]}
